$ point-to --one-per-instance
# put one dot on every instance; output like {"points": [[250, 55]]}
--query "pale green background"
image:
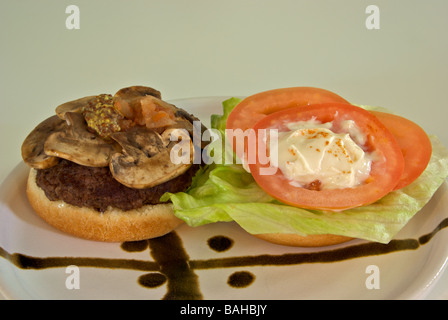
{"points": [[192, 48], [206, 48]]}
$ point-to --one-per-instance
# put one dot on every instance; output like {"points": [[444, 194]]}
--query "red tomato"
{"points": [[256, 107], [385, 172], [414, 144]]}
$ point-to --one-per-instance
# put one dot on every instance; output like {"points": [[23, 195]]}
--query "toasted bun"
{"points": [[114, 225], [294, 240]]}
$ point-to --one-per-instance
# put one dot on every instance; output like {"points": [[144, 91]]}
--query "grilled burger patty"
{"points": [[96, 188]]}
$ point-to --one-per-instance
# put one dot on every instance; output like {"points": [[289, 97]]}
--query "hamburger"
{"points": [[341, 171], [99, 166]]}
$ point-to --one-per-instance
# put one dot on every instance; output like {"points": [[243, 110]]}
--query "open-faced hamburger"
{"points": [[100, 165], [340, 172]]}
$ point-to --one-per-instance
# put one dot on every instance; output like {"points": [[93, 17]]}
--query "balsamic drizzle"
{"points": [[173, 266]]}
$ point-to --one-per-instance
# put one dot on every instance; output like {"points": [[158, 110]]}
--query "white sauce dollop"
{"points": [[310, 153]]}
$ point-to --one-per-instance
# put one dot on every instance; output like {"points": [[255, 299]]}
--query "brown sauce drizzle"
{"points": [[152, 280], [135, 246], [173, 266], [220, 243], [241, 279]]}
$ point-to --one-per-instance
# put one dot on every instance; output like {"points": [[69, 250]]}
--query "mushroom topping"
{"points": [[128, 100], [137, 91], [184, 114], [145, 160], [180, 123], [147, 111], [185, 121], [146, 108], [79, 145], [73, 106], [33, 146]]}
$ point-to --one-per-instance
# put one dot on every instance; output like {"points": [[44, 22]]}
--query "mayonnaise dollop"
{"points": [[310, 155]]}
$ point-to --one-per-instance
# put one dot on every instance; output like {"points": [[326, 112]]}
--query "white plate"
{"points": [[34, 257]]}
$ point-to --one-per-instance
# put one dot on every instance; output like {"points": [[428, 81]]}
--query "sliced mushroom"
{"points": [[137, 91], [73, 106], [127, 100], [79, 145], [184, 114], [168, 140], [145, 160], [33, 146], [187, 121]]}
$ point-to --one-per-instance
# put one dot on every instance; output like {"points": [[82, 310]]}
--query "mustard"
{"points": [[102, 117]]}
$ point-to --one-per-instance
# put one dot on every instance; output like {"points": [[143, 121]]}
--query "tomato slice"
{"points": [[256, 107], [386, 169], [414, 144]]}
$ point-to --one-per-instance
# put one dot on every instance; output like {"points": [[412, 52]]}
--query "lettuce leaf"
{"points": [[229, 193]]}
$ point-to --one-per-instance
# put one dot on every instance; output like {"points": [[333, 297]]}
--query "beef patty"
{"points": [[96, 187]]}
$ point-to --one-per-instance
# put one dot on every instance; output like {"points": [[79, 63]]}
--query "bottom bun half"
{"points": [[113, 225], [294, 240]]}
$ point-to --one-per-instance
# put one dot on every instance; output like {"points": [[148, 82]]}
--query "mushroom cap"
{"points": [[127, 100], [78, 145], [140, 166], [73, 106], [137, 91], [33, 152]]}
